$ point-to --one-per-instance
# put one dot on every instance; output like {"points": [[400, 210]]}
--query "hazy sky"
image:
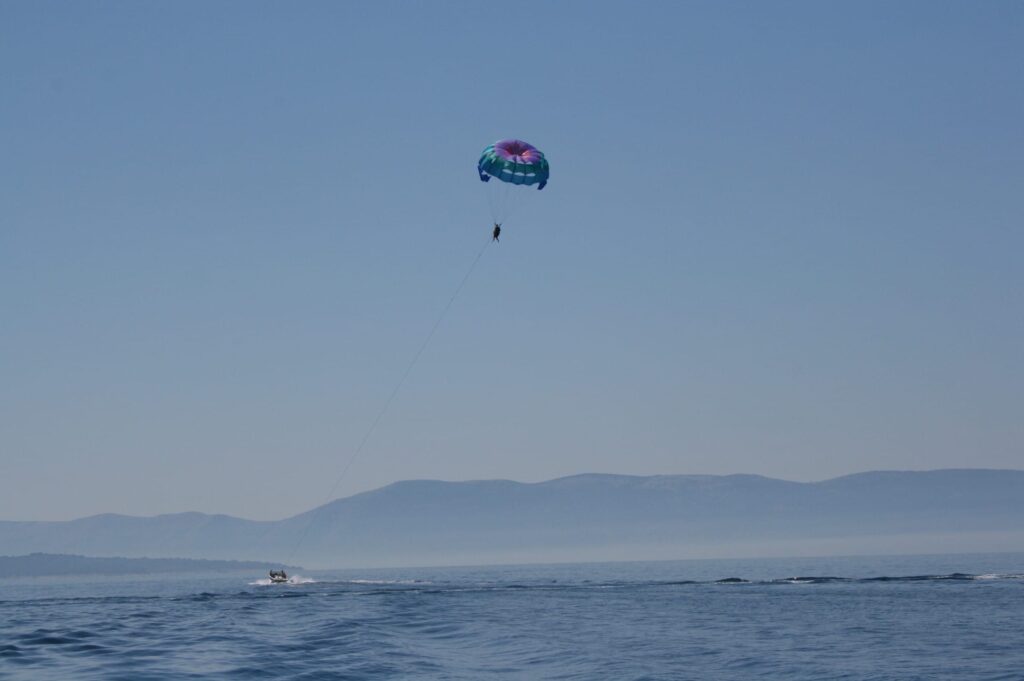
{"points": [[779, 238]]}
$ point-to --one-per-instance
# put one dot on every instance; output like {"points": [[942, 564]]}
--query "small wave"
{"points": [[954, 576], [951, 577], [831, 579], [51, 637], [810, 580]]}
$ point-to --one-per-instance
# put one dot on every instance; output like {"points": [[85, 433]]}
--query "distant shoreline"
{"points": [[581, 518], [60, 564]]}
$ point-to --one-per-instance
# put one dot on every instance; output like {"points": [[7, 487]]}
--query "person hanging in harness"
{"points": [[496, 233]]}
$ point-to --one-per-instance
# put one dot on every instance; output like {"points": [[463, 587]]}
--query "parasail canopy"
{"points": [[515, 162]]}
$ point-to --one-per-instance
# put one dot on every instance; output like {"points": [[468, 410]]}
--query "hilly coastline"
{"points": [[583, 517], [57, 564]]}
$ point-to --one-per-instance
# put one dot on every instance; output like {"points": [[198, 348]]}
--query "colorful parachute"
{"points": [[515, 162]]}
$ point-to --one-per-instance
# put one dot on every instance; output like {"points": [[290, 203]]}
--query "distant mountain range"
{"points": [[52, 564], [582, 517]]}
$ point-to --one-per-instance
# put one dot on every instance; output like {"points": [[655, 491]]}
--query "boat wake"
{"points": [[294, 580]]}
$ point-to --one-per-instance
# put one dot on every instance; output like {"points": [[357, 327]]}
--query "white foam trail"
{"points": [[294, 579], [386, 581]]}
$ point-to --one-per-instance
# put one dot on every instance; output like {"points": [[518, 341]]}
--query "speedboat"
{"points": [[278, 577]]}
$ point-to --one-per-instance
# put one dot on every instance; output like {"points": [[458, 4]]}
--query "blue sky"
{"points": [[779, 238]]}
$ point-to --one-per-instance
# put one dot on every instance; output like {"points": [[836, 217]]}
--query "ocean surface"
{"points": [[912, 617]]}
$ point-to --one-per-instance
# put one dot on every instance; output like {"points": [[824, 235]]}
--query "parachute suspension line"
{"points": [[503, 199], [394, 393]]}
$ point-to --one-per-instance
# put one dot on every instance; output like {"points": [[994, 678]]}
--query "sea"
{"points": [[954, 617]]}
